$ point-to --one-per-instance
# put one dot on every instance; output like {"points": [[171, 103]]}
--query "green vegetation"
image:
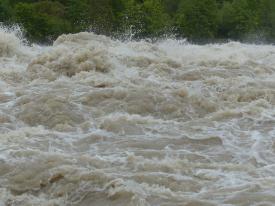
{"points": [[197, 20]]}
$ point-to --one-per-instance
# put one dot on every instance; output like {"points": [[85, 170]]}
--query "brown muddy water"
{"points": [[92, 121]]}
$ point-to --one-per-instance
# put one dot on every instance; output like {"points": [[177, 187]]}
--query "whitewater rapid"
{"points": [[96, 121]]}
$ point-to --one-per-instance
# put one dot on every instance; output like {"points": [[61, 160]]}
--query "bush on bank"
{"points": [[197, 20]]}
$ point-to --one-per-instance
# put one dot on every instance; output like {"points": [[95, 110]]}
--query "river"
{"points": [[95, 121]]}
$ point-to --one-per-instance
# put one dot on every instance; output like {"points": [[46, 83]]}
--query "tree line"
{"points": [[197, 20]]}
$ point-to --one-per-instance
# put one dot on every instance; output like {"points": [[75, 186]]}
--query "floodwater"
{"points": [[95, 121]]}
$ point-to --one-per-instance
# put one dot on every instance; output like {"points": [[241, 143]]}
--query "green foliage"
{"points": [[197, 19], [146, 19], [156, 21], [5, 11], [44, 20], [171, 6], [267, 18], [131, 18], [237, 19], [77, 13], [102, 16]]}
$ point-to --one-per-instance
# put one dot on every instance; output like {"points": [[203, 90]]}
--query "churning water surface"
{"points": [[95, 121]]}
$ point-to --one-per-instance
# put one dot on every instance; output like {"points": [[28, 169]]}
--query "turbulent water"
{"points": [[95, 121]]}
